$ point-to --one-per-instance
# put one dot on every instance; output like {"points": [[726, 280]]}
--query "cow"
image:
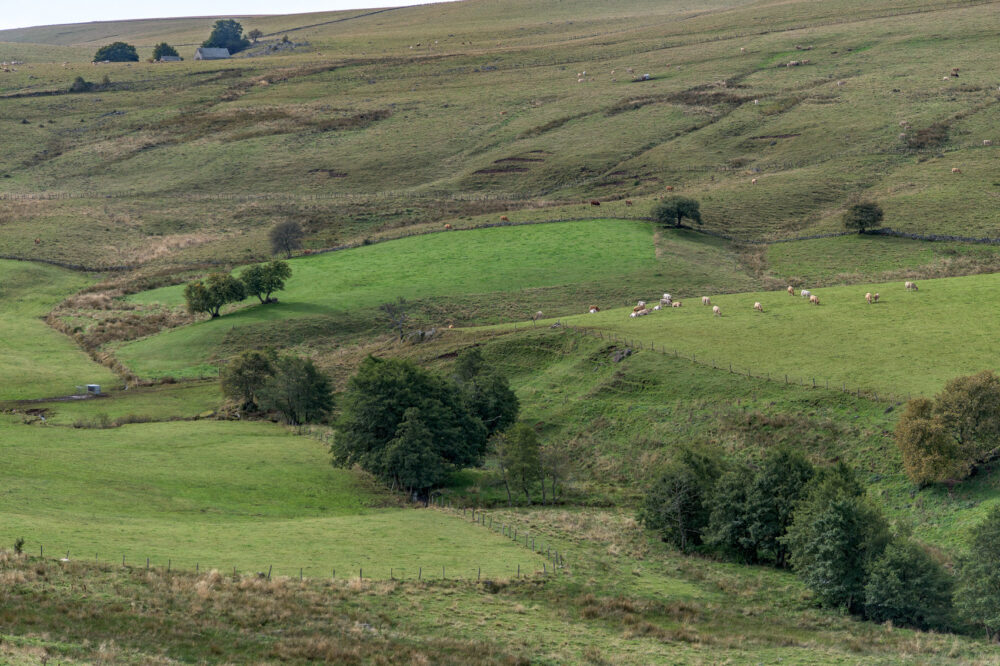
{"points": [[595, 202]]}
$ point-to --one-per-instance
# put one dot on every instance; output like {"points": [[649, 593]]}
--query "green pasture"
{"points": [[38, 361], [222, 495], [907, 343]]}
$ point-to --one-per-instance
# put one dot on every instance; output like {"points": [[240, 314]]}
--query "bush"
{"points": [[672, 211], [263, 280], [227, 34], [907, 587], [80, 85], [863, 216], [163, 49], [217, 290], [977, 595], [117, 52], [297, 390]]}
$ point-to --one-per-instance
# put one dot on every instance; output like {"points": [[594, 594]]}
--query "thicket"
{"points": [[164, 49], [289, 386], [227, 34]]}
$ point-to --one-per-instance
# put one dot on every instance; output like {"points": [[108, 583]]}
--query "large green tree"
{"points": [[672, 211], [262, 280], [117, 52], [245, 375], [416, 463], [863, 216], [163, 49], [227, 34], [375, 403], [977, 596], [298, 391], [677, 505], [486, 391], [906, 586], [214, 292]]}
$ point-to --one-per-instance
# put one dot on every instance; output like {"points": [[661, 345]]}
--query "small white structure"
{"points": [[205, 53], [94, 389]]}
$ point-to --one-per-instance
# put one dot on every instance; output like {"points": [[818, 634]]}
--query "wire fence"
{"points": [[725, 366]]}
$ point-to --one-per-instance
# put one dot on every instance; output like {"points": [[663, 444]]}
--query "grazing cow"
{"points": [[628, 202], [595, 202], [641, 306], [956, 170], [987, 142], [791, 290], [753, 181], [868, 298], [675, 304], [594, 309], [814, 299], [656, 308], [705, 300], [667, 298], [38, 241], [670, 188], [716, 311], [447, 226], [805, 293], [504, 218], [840, 83], [875, 297], [743, 49], [758, 307], [910, 286]]}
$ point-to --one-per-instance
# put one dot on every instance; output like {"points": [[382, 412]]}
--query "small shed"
{"points": [[168, 58], [205, 53], [94, 389]]}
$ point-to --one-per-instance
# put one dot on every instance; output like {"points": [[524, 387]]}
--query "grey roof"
{"points": [[205, 53], [170, 58]]}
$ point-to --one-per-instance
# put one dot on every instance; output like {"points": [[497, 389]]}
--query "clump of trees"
{"points": [[227, 34], [164, 49], [863, 216], [673, 210], [978, 591], [290, 386], [219, 289], [946, 438], [411, 428], [117, 52], [785, 512]]}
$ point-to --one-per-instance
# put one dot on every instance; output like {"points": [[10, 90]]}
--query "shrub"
{"points": [[80, 85], [163, 49], [977, 595], [672, 211], [227, 34], [217, 290], [263, 280], [117, 52], [19, 545], [907, 587], [863, 216], [297, 390]]}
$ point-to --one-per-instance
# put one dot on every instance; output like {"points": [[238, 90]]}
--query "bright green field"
{"points": [[38, 361], [485, 270], [908, 343], [222, 495]]}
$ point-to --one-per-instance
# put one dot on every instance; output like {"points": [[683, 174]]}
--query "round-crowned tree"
{"points": [[863, 216], [117, 52], [672, 211]]}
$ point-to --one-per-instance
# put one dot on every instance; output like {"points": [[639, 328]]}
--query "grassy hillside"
{"points": [[37, 361], [433, 113]]}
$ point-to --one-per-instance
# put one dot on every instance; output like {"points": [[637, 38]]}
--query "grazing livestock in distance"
{"points": [[758, 307], [791, 290], [656, 308], [814, 299], [504, 218], [595, 202], [675, 304], [868, 298], [956, 170], [705, 300], [628, 202], [987, 142], [666, 299], [910, 286], [716, 311], [670, 188], [594, 309], [875, 297], [447, 226], [805, 293], [753, 181]]}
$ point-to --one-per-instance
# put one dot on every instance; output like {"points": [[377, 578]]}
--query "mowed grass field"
{"points": [[37, 361], [907, 343], [498, 273], [224, 495]]}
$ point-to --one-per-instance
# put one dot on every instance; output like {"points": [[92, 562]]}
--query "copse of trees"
{"points": [[164, 49], [946, 438], [227, 34], [210, 295], [117, 52], [863, 216], [291, 387], [978, 591], [245, 375], [672, 211]]}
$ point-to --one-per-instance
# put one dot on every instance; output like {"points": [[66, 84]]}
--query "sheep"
{"points": [[987, 142], [675, 304], [743, 50], [753, 181], [956, 170], [805, 293], [756, 101], [667, 298], [868, 298], [814, 299], [758, 307], [504, 218], [594, 309], [791, 290], [875, 297], [910, 286], [840, 83], [656, 308], [642, 303], [705, 300], [716, 310]]}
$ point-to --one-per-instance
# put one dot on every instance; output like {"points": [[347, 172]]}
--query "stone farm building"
{"points": [[204, 53]]}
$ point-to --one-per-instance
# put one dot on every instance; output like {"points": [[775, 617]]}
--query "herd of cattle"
{"points": [[642, 308]]}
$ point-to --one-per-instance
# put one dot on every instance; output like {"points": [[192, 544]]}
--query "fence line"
{"points": [[780, 378]]}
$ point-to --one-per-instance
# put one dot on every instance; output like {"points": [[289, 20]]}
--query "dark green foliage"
{"points": [[117, 52], [263, 280], [227, 34], [672, 211], [163, 49], [834, 538], [411, 454], [752, 509], [375, 404], [909, 588], [929, 453], [518, 452], [254, 35], [977, 596], [863, 216], [298, 391], [81, 85], [486, 391], [675, 506], [245, 375], [217, 290], [286, 237]]}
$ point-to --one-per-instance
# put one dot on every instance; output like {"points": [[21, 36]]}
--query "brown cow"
{"points": [[38, 241], [447, 226], [628, 202], [504, 218], [595, 202], [670, 188]]}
